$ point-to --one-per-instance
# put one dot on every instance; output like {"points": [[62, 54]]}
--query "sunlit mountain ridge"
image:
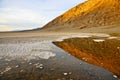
{"points": [[92, 13]]}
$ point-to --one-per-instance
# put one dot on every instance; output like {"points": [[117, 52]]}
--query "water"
{"points": [[41, 60]]}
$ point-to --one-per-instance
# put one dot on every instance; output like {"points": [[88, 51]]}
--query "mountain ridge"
{"points": [[91, 13]]}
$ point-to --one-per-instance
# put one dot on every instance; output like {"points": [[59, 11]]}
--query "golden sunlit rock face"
{"points": [[92, 13]]}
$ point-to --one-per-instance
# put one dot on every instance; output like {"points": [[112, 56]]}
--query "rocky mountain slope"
{"points": [[92, 13]]}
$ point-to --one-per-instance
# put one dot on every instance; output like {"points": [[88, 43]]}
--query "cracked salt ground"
{"points": [[26, 51]]}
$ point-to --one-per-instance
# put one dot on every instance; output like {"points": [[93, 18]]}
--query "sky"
{"points": [[30, 14]]}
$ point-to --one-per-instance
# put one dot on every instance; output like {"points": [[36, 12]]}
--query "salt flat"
{"points": [[33, 56]]}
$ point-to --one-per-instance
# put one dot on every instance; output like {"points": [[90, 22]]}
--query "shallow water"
{"points": [[41, 60]]}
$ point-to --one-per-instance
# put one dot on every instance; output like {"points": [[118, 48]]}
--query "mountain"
{"points": [[92, 13]]}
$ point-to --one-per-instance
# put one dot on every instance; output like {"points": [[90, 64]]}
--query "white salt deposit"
{"points": [[98, 40], [114, 76], [65, 74], [30, 63], [39, 66], [80, 63], [82, 35], [6, 70], [26, 51], [118, 47], [70, 72], [112, 37], [17, 66], [43, 54], [100, 35]]}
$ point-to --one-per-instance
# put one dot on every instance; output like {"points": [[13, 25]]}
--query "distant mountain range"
{"points": [[92, 13]]}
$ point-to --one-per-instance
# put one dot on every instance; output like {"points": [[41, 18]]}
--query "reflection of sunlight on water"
{"points": [[28, 51]]}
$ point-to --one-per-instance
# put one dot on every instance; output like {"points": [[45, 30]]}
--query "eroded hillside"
{"points": [[92, 13]]}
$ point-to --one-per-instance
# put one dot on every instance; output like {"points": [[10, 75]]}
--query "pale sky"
{"points": [[30, 14]]}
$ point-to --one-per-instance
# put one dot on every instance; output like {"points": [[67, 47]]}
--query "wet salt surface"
{"points": [[44, 61]]}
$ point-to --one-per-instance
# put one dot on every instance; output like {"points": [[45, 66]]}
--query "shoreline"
{"points": [[45, 60], [78, 48]]}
